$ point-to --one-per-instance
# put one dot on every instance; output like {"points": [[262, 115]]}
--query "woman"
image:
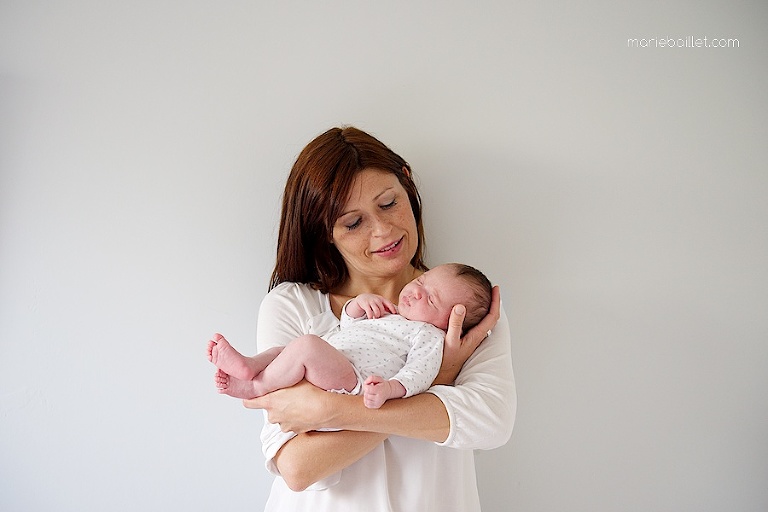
{"points": [[350, 224]]}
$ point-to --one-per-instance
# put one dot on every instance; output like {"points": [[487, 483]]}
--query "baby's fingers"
{"points": [[391, 308]]}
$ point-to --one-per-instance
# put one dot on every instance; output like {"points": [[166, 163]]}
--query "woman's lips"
{"points": [[389, 247]]}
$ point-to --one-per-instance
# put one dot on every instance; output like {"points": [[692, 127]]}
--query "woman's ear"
{"points": [[406, 171]]}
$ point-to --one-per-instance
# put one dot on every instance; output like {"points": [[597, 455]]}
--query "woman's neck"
{"points": [[388, 287]]}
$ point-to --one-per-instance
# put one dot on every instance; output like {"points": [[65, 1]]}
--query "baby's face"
{"points": [[431, 296]]}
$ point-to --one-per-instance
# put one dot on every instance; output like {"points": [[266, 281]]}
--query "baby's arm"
{"points": [[377, 391], [369, 305]]}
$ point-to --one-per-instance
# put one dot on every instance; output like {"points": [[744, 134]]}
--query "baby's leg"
{"points": [[233, 363], [307, 357]]}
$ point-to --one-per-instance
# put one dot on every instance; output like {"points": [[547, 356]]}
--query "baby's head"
{"points": [[431, 296]]}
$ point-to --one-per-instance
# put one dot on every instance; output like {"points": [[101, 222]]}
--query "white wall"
{"points": [[617, 195]]}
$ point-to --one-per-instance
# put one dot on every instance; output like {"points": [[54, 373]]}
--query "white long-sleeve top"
{"points": [[401, 474]]}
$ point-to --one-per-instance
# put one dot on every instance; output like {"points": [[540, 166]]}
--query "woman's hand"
{"points": [[457, 349], [300, 408]]}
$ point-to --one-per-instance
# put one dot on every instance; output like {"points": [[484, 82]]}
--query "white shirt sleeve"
{"points": [[482, 402], [287, 312], [346, 320]]}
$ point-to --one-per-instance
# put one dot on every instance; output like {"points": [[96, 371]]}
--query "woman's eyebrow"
{"points": [[375, 198], [382, 193], [347, 213]]}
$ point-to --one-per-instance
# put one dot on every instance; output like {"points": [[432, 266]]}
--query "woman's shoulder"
{"points": [[297, 295], [292, 309], [288, 288]]}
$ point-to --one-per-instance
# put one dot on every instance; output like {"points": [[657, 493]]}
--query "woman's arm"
{"points": [[482, 403], [312, 456], [305, 407]]}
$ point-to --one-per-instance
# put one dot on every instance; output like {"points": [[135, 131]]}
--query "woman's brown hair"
{"points": [[315, 193]]}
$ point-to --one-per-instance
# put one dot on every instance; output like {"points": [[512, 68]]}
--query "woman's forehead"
{"points": [[369, 184]]}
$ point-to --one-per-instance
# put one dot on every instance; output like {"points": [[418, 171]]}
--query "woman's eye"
{"points": [[355, 224], [389, 205]]}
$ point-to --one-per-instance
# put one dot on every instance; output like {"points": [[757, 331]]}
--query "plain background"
{"points": [[618, 195]]}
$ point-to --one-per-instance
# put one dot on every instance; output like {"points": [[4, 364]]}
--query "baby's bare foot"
{"points": [[221, 379], [226, 358], [229, 385]]}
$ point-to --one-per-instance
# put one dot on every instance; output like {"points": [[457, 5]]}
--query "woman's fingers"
{"points": [[455, 324], [260, 402], [299, 408], [478, 333]]}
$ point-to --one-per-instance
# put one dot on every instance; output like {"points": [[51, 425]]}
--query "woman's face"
{"points": [[376, 233]]}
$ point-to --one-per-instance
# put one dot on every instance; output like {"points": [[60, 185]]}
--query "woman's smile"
{"points": [[389, 249]]}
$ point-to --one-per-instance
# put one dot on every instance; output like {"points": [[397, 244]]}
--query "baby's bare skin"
{"points": [[235, 364], [234, 387], [306, 357]]}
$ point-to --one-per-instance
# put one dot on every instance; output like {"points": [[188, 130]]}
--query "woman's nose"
{"points": [[381, 227]]}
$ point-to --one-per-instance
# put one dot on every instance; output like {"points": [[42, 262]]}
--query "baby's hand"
{"points": [[371, 306], [375, 392]]}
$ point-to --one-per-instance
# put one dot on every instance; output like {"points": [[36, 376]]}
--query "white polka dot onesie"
{"points": [[391, 347]]}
